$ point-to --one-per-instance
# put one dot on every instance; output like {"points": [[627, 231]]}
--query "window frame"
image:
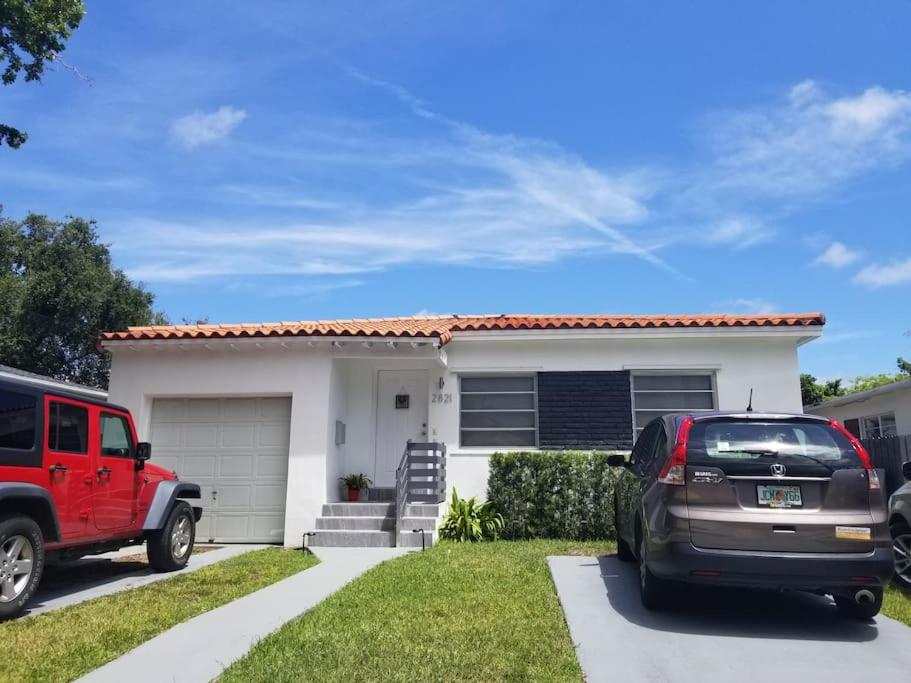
{"points": [[690, 372], [50, 420], [129, 432], [879, 425], [499, 375]]}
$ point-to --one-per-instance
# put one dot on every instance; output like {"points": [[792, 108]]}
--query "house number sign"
{"points": [[441, 398]]}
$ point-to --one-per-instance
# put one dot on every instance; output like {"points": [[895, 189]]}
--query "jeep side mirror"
{"points": [[143, 452], [616, 460], [906, 470]]}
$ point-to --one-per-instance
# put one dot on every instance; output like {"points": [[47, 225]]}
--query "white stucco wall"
{"points": [[769, 366], [138, 377], [328, 384], [898, 402]]}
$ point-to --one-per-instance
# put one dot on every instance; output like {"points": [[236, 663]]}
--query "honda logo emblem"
{"points": [[778, 470]]}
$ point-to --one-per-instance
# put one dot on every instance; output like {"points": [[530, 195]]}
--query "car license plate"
{"points": [[779, 496]]}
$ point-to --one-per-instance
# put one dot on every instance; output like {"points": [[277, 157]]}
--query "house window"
{"points": [[658, 394], [498, 411], [877, 426]]}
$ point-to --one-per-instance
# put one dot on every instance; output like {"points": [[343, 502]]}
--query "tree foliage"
{"points": [[813, 392], [58, 292], [32, 33]]}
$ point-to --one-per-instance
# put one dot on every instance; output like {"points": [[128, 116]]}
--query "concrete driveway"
{"points": [[719, 634]]}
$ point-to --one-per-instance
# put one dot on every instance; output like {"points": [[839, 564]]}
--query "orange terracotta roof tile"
{"points": [[442, 327]]}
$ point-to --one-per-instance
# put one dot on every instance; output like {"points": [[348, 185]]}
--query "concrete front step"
{"points": [[356, 523], [408, 539], [353, 539], [381, 495], [425, 523], [359, 510], [415, 510]]}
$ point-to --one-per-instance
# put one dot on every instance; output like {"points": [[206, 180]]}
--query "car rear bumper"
{"points": [[808, 571]]}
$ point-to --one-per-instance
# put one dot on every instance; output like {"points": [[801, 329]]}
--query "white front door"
{"points": [[401, 414]]}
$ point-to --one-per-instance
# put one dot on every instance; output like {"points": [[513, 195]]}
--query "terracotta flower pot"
{"points": [[354, 495]]}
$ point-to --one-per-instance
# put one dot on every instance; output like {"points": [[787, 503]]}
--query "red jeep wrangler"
{"points": [[73, 482]]}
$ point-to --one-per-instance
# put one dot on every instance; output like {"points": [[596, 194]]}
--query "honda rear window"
{"points": [[746, 441]]}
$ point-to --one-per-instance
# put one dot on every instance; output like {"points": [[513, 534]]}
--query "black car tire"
{"points": [[166, 552], [652, 590], [624, 552], [27, 528], [849, 607], [900, 529]]}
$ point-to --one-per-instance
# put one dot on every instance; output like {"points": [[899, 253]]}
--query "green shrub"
{"points": [[557, 494], [468, 521]]}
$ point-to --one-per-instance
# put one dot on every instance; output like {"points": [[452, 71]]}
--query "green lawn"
{"points": [[67, 643], [479, 612], [897, 604]]}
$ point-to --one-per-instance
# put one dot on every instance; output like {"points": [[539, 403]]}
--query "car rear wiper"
{"points": [[777, 454]]}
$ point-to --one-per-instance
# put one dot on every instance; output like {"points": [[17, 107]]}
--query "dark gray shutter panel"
{"points": [[585, 410]]}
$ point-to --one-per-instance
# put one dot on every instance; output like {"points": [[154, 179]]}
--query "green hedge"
{"points": [[556, 494]]}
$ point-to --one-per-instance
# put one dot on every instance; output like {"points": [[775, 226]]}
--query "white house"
{"points": [[267, 417], [883, 411]]}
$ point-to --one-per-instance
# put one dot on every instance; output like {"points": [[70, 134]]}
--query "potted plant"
{"points": [[355, 483]]}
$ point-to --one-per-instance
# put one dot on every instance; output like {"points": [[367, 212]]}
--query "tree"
{"points": [[812, 392], [32, 33], [904, 366], [58, 292], [867, 382]]}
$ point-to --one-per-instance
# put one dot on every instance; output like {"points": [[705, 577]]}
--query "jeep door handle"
{"points": [[103, 471], [58, 468]]}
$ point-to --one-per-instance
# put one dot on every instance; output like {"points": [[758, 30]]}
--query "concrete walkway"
{"points": [[199, 649], [713, 634], [45, 601]]}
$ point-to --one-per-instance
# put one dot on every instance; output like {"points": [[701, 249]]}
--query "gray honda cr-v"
{"points": [[754, 499]]}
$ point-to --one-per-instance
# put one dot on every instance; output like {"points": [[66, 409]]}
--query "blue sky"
{"points": [[287, 161]]}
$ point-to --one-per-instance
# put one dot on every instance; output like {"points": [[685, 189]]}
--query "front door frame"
{"points": [[424, 398]]}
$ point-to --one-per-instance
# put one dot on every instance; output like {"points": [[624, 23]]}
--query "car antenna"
{"points": [[750, 404]]}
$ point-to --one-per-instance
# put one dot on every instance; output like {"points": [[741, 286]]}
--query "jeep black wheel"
{"points": [[170, 547], [21, 563]]}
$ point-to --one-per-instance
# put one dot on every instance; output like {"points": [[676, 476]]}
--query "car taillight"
{"points": [[872, 476], [673, 472]]}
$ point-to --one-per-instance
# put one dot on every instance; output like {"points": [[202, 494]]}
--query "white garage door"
{"points": [[236, 449]]}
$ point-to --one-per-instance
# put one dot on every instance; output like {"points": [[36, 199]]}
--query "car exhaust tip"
{"points": [[864, 597]]}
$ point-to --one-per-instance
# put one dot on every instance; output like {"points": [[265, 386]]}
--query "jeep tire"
{"points": [[21, 563], [170, 547]]}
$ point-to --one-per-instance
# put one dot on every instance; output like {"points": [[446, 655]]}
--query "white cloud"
{"points": [[837, 255], [877, 275], [739, 233], [446, 192], [812, 141], [198, 128]]}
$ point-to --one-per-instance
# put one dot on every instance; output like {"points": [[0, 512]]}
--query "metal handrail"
{"points": [[401, 489], [438, 485]]}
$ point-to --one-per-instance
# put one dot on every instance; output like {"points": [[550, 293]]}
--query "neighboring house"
{"points": [[883, 411], [267, 417]]}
